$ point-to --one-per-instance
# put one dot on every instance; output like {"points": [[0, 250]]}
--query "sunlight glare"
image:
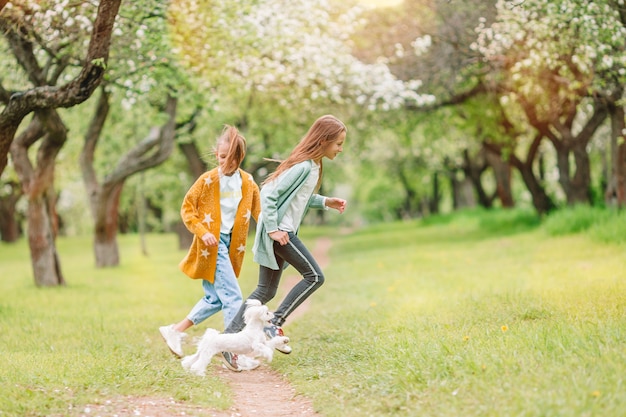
{"points": [[380, 3]]}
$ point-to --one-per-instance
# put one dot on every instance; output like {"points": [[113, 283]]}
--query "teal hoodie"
{"points": [[275, 199]]}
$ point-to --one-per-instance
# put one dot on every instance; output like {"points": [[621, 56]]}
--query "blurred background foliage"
{"points": [[449, 104]]}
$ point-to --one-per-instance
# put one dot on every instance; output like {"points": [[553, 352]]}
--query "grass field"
{"points": [[467, 315]]}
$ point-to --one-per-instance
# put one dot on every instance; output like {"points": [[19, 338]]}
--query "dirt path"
{"points": [[262, 392]]}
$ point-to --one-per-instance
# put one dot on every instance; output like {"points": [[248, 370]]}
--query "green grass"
{"points": [[97, 337], [576, 219], [461, 320], [479, 314]]}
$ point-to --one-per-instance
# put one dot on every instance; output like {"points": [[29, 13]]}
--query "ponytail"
{"points": [[236, 149]]}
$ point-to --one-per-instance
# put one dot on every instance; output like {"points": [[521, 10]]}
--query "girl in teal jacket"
{"points": [[286, 196]]}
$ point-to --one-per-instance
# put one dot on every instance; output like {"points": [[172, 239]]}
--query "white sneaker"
{"points": [[173, 338]]}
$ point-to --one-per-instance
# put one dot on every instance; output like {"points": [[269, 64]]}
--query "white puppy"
{"points": [[251, 341]]}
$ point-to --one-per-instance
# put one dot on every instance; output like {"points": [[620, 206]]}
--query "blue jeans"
{"points": [[297, 255], [224, 294]]}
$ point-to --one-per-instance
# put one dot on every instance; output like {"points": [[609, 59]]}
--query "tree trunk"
{"points": [[581, 192], [433, 206], [502, 174], [196, 164], [10, 229], [541, 201], [464, 191], [105, 239], [451, 173], [37, 183], [577, 187], [41, 239], [410, 206], [616, 184], [473, 169], [621, 175], [618, 128], [141, 215], [104, 198]]}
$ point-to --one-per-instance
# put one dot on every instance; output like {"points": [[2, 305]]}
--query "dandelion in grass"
{"points": [[373, 304], [504, 328], [596, 394], [465, 338]]}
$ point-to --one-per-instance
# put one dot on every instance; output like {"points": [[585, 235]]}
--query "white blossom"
{"points": [[270, 45]]}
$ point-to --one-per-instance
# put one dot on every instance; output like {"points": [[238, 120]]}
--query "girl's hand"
{"points": [[338, 204], [209, 239], [280, 237]]}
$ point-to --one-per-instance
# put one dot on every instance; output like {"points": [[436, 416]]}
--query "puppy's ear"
{"points": [[250, 303]]}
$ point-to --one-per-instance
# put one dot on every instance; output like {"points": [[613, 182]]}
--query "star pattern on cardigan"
{"points": [[201, 213]]}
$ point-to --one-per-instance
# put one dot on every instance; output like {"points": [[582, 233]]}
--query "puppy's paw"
{"points": [[198, 370], [246, 363], [188, 361], [280, 340]]}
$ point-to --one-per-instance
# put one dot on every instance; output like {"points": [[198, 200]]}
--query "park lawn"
{"points": [[97, 338], [463, 319], [450, 318]]}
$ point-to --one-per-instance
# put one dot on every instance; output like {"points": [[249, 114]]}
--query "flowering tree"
{"points": [[22, 26], [142, 71], [46, 42], [429, 40], [293, 52], [563, 85], [283, 63]]}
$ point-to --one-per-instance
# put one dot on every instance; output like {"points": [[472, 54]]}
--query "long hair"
{"points": [[313, 145], [236, 149]]}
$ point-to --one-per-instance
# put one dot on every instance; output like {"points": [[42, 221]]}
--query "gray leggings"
{"points": [[297, 255]]}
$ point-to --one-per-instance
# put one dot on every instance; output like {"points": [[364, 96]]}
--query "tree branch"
{"points": [[75, 92]]}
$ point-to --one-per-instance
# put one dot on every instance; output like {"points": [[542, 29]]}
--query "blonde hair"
{"points": [[324, 131], [236, 149]]}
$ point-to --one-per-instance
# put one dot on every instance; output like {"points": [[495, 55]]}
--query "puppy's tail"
{"points": [[188, 361]]}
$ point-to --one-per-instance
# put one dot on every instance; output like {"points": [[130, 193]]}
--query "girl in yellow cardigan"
{"points": [[217, 210]]}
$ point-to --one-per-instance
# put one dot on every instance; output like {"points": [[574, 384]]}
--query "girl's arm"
{"points": [[319, 201], [338, 204]]}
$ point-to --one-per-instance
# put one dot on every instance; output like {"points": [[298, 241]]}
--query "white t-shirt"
{"points": [[293, 216], [230, 196]]}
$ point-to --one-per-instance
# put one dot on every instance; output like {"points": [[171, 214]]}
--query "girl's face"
{"points": [[221, 153], [334, 148]]}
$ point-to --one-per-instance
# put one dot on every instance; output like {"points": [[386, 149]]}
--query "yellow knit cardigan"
{"points": [[201, 213]]}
